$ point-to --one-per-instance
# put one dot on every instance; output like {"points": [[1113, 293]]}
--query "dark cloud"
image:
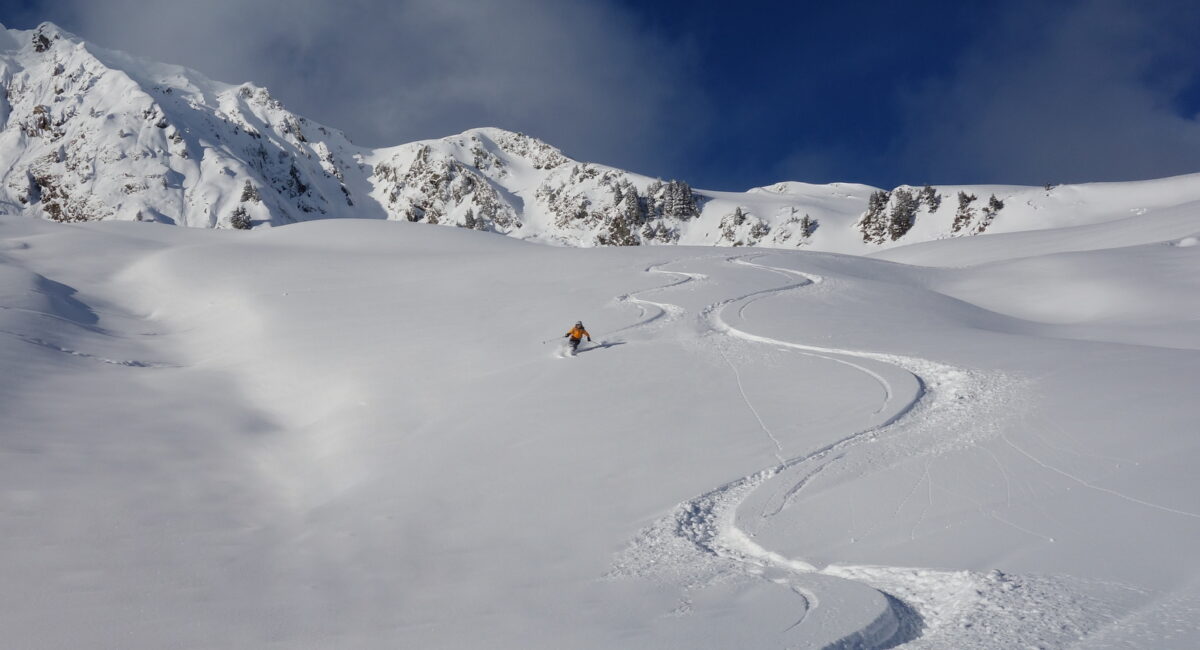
{"points": [[585, 76], [1063, 92]]}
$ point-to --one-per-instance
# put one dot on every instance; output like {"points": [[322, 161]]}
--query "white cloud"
{"points": [[1053, 94], [582, 75]]}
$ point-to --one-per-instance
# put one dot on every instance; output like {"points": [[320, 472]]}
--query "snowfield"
{"points": [[366, 434], [812, 416]]}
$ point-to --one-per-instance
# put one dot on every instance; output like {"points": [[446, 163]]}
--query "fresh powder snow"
{"points": [[314, 420], [356, 433]]}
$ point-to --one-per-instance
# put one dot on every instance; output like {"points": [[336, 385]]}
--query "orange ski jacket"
{"points": [[577, 333]]}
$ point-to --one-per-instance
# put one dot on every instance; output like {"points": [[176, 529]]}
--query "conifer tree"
{"points": [[903, 215], [759, 230], [994, 206], [240, 219], [930, 198], [250, 193], [964, 214], [678, 201], [873, 223], [808, 226]]}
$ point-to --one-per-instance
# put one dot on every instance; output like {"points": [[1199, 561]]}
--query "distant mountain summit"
{"points": [[94, 134]]}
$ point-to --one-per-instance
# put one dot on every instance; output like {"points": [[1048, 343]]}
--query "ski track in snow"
{"points": [[1092, 486], [699, 543], [745, 398], [665, 310], [650, 312], [130, 363]]}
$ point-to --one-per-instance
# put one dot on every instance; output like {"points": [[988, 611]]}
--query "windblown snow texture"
{"points": [[349, 434]]}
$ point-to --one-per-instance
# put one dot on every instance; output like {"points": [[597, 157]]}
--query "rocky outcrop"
{"points": [[426, 185], [92, 134]]}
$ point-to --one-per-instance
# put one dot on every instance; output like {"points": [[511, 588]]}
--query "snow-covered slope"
{"points": [[365, 434], [91, 134]]}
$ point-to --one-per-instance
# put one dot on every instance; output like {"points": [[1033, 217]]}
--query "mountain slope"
{"points": [[91, 134], [350, 434], [96, 135]]}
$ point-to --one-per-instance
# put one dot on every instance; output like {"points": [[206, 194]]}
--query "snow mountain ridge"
{"points": [[93, 134]]}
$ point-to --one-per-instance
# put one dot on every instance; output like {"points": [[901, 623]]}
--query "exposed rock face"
{"points": [[610, 207], [539, 154], [424, 184], [92, 134]]}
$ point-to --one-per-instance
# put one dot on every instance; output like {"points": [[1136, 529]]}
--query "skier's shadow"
{"points": [[600, 346]]}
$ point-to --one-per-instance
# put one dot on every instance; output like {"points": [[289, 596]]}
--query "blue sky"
{"points": [[723, 95]]}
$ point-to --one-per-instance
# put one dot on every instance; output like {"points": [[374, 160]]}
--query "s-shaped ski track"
{"points": [[944, 407]]}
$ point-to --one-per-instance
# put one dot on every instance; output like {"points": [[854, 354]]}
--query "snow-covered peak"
{"points": [[490, 150], [50, 40], [96, 134], [797, 188], [91, 134]]}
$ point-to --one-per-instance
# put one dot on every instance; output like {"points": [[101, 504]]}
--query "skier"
{"points": [[576, 334]]}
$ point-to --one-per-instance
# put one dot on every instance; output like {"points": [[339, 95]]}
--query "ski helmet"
{"points": [[578, 323]]}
